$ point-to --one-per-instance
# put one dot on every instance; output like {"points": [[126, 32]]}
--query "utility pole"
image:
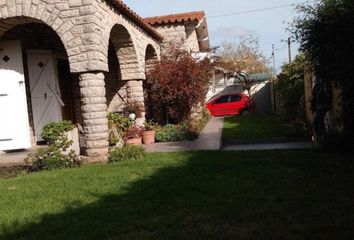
{"points": [[273, 56], [274, 100], [289, 49]]}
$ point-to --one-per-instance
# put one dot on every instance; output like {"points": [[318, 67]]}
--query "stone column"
{"points": [[135, 92], [94, 117]]}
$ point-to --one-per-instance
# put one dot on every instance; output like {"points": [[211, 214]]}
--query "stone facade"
{"points": [[186, 30], [180, 34], [86, 29]]}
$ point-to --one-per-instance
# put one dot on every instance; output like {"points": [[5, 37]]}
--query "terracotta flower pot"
{"points": [[134, 141], [148, 137]]}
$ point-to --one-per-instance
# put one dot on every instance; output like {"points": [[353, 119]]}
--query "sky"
{"points": [[268, 26]]}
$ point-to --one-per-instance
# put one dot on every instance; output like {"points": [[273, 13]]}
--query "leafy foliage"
{"points": [[150, 125], [133, 107], [127, 153], [173, 133], [242, 57], [118, 125], [134, 132], [290, 90], [54, 156], [175, 85], [186, 131], [51, 158], [325, 31], [54, 134]]}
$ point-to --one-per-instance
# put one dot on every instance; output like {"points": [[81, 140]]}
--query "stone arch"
{"points": [[43, 52], [126, 52], [61, 31], [151, 57]]}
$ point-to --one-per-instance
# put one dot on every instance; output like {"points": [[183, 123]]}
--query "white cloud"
{"points": [[230, 33]]}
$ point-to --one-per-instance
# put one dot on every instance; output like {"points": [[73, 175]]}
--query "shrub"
{"points": [[290, 90], [175, 85], [173, 133], [134, 132], [133, 107], [51, 158], [151, 126], [54, 156], [54, 133], [126, 153], [325, 31], [118, 125]]}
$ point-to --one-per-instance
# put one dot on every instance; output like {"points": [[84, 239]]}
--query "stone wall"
{"points": [[179, 34], [85, 28]]}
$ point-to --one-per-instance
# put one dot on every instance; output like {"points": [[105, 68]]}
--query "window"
{"points": [[223, 99], [235, 98]]}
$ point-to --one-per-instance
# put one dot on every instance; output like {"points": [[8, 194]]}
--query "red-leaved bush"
{"points": [[176, 85]]}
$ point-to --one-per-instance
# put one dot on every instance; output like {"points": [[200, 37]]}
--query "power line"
{"points": [[257, 10]]}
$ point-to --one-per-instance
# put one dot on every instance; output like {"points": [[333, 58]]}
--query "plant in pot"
{"points": [[135, 108], [133, 135], [149, 132]]}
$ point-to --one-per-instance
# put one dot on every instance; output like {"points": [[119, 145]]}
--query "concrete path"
{"points": [[15, 158], [268, 146], [209, 139]]}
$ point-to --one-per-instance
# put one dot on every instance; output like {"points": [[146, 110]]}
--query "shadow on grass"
{"points": [[214, 195]]}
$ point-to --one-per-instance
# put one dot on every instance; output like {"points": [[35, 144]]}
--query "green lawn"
{"points": [[255, 126], [195, 195]]}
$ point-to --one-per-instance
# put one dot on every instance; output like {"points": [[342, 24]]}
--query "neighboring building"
{"points": [[70, 60], [188, 30]]}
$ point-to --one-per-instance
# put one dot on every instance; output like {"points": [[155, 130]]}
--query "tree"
{"points": [[290, 90], [177, 84], [242, 59], [325, 31]]}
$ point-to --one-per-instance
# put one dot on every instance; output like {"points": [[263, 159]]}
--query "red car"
{"points": [[229, 105]]}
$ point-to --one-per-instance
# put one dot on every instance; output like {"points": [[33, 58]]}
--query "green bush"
{"points": [[185, 131], [54, 156], [290, 90], [50, 158], [173, 133], [128, 152], [54, 133], [118, 125]]}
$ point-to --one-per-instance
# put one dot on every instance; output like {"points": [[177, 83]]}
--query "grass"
{"points": [[255, 126], [194, 195]]}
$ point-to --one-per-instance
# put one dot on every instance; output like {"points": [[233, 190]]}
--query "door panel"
{"points": [[220, 106], [45, 91], [236, 104], [14, 125]]}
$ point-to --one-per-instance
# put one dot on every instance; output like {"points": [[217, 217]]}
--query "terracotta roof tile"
{"points": [[175, 18], [124, 9]]}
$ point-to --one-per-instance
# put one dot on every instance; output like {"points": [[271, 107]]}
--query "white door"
{"points": [[45, 93], [14, 125]]}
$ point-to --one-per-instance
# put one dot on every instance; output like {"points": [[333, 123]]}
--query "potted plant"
{"points": [[149, 132], [133, 135], [135, 108]]}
